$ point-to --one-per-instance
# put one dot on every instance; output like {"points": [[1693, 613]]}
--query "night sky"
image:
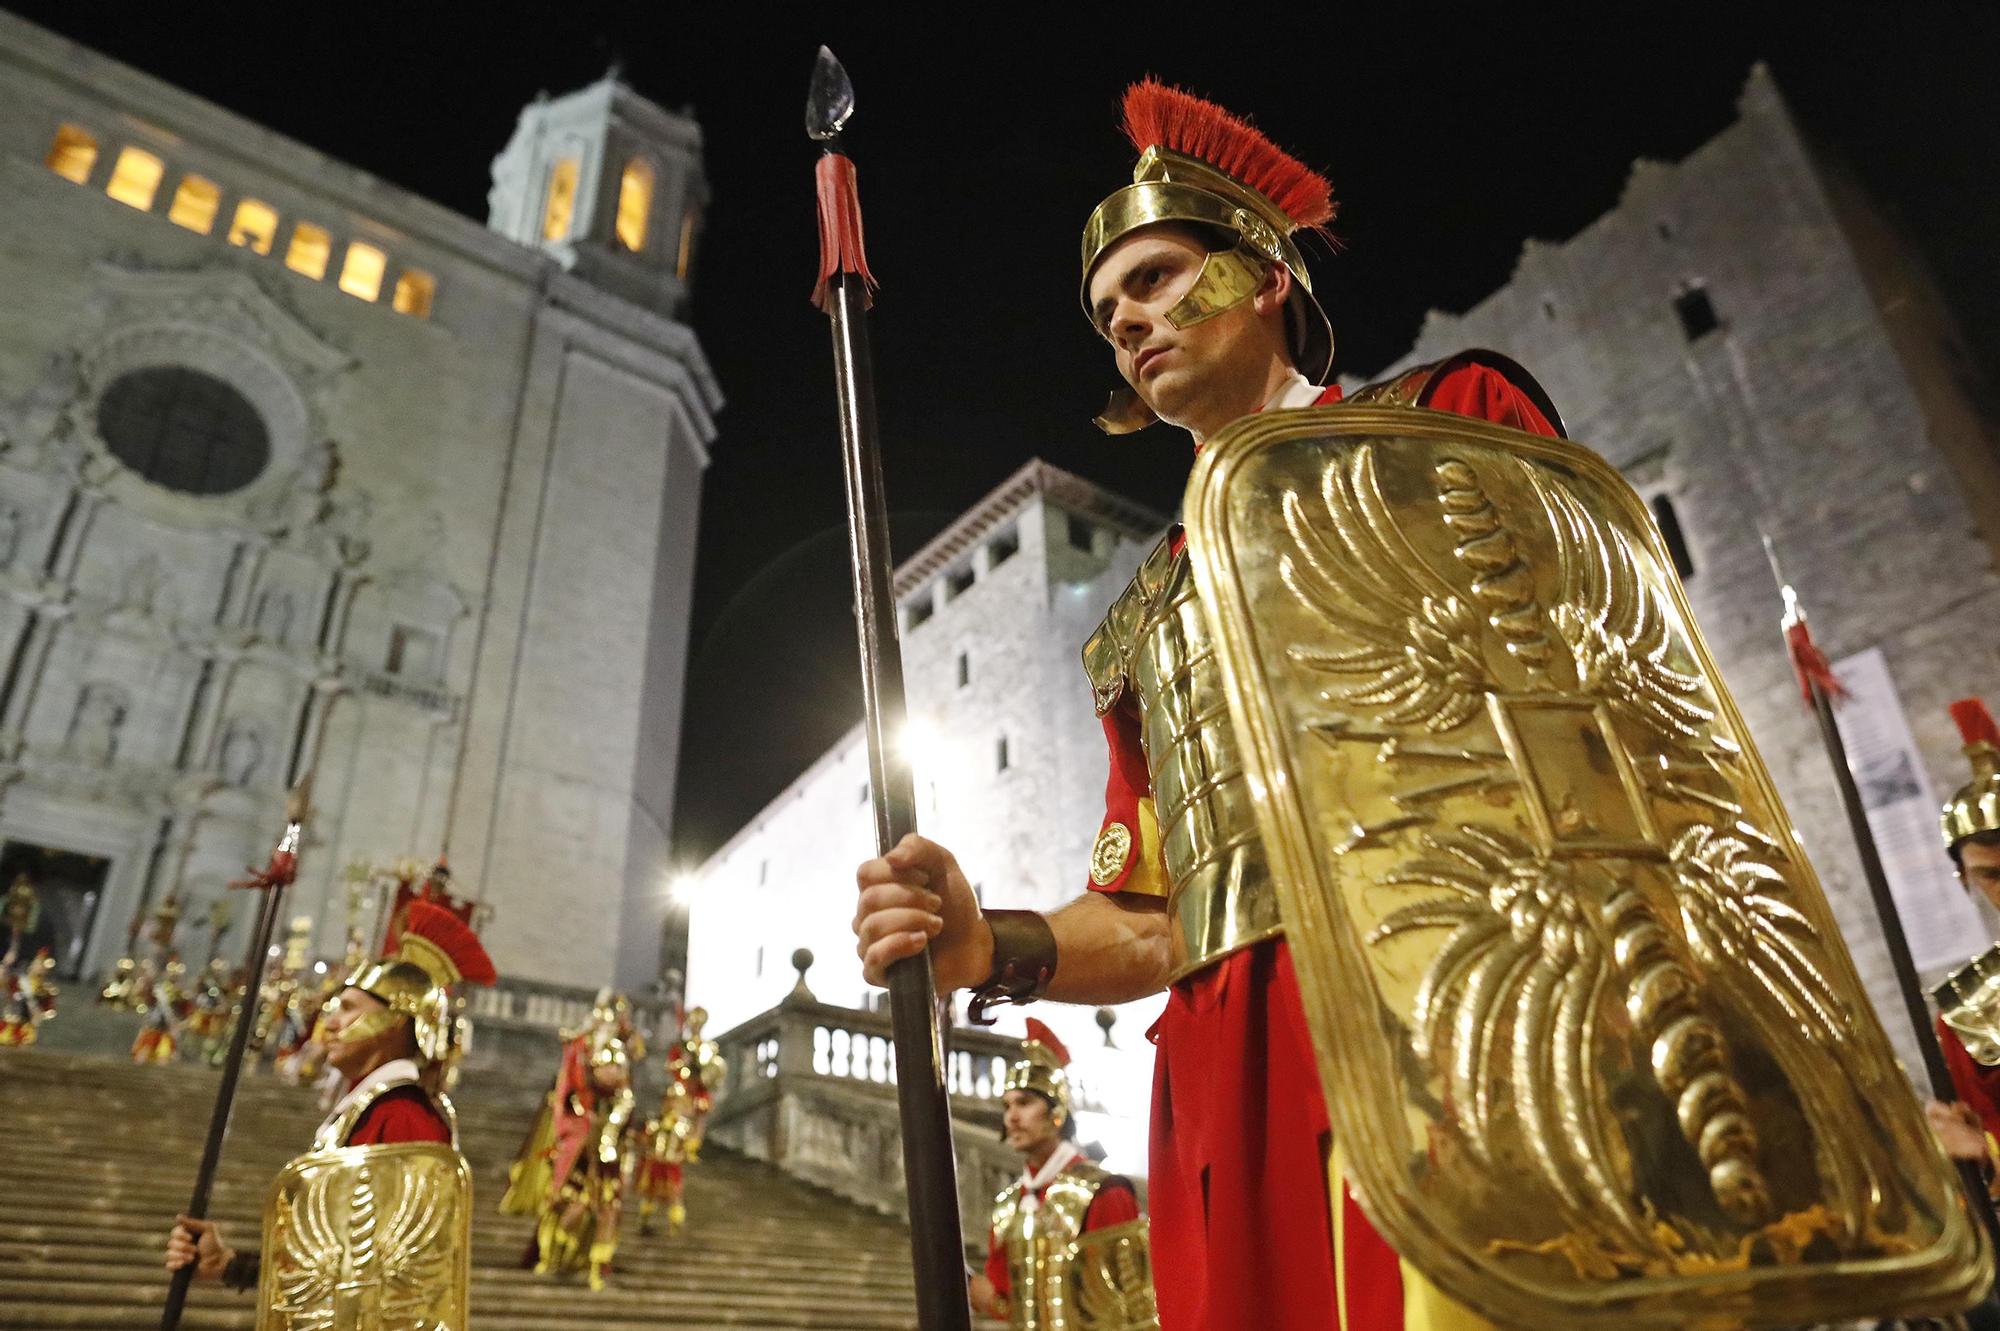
{"points": [[983, 140]]}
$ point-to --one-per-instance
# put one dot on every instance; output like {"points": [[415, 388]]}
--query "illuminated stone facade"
{"points": [[1009, 760], [296, 464]]}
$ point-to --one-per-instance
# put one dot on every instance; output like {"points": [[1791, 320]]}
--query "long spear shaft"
{"points": [[1817, 682], [936, 1244], [271, 882]]}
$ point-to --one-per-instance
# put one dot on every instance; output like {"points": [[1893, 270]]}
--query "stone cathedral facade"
{"points": [[1741, 335], [300, 470]]}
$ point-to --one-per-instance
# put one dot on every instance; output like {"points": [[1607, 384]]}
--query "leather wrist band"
{"points": [[242, 1271], [1024, 961]]}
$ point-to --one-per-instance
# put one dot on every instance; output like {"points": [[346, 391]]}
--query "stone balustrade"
{"points": [[811, 1088]]}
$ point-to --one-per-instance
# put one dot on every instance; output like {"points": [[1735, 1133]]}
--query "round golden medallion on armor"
{"points": [[1108, 857]]}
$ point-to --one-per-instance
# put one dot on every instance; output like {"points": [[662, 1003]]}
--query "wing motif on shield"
{"points": [[368, 1237], [1511, 811]]}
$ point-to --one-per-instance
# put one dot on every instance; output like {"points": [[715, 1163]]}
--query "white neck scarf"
{"points": [[1296, 391], [395, 1070], [1032, 1184]]}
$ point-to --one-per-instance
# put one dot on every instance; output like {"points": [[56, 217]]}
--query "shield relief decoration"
{"points": [[1592, 1046]]}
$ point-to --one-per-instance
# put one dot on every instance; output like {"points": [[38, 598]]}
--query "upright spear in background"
{"points": [[1821, 690], [844, 294], [271, 881]]}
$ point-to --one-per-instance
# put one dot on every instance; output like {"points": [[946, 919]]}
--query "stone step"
{"points": [[101, 1154]]}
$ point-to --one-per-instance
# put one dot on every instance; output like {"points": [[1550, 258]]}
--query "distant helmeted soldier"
{"points": [[1067, 1248], [570, 1172], [374, 1218], [672, 1139], [1968, 1026]]}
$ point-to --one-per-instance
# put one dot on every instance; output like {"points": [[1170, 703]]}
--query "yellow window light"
{"points": [[561, 207], [196, 202], [310, 251], [72, 154], [256, 226], [414, 290], [635, 204], [136, 178], [361, 272]]}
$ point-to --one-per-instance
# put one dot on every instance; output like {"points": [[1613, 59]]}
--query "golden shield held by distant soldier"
{"points": [[368, 1238], [1592, 1046]]}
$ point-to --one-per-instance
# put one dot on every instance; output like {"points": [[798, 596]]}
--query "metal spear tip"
{"points": [[831, 99], [299, 802]]}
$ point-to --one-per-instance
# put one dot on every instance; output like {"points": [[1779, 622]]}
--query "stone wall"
{"points": [[459, 581]]}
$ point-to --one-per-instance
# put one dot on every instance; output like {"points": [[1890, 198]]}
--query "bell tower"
{"points": [[609, 184]]}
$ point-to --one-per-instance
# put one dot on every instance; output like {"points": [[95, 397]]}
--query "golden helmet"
{"points": [[1043, 1067], [696, 1018], [434, 951], [1201, 165], [1976, 806]]}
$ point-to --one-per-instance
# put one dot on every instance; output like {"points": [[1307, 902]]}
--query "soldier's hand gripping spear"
{"points": [[843, 293], [270, 883]]}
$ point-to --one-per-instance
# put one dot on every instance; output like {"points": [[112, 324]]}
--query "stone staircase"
{"points": [[96, 1156]]}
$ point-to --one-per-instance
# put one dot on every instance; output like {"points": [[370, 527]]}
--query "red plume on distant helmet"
{"points": [[431, 933], [1159, 115], [1975, 723], [1042, 1067], [1040, 1034], [1975, 809]]}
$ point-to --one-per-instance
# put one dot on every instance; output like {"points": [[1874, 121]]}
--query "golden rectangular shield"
{"points": [[1589, 1038], [368, 1238]]}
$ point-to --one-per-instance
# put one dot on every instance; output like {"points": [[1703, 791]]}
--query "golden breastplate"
{"points": [[1155, 642], [1041, 1248]]}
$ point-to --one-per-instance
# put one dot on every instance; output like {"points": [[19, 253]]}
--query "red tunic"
{"points": [[1976, 1084], [405, 1114], [1240, 1136], [1114, 1204]]}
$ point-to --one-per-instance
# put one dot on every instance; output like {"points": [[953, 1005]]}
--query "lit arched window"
{"points": [[309, 251], [136, 178], [72, 154], [195, 204], [256, 226], [561, 206], [685, 261], [635, 204], [414, 290], [361, 272]]}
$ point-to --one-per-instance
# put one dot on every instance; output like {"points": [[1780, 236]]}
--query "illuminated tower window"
{"points": [[562, 199], [414, 290], [635, 204], [195, 204], [72, 154], [309, 251], [361, 272], [256, 226], [136, 178], [685, 260]]}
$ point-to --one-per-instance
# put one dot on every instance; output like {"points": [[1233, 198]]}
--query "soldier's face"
{"points": [[1186, 375], [1029, 1121], [1979, 866]]}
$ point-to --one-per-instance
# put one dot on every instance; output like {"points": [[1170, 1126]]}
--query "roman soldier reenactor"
{"points": [[374, 1219], [1067, 1247], [1428, 811], [569, 1173], [671, 1140], [1968, 1024], [166, 1009]]}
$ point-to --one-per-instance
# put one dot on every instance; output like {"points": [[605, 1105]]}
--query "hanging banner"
{"points": [[1940, 918]]}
